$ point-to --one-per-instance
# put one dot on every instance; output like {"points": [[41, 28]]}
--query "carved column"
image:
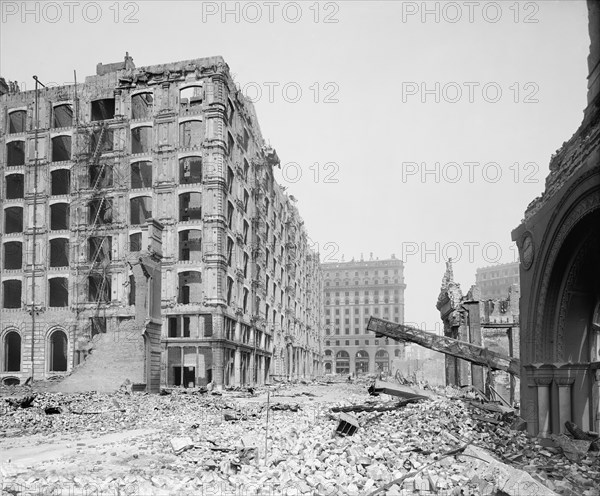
{"points": [[543, 399], [565, 386]]}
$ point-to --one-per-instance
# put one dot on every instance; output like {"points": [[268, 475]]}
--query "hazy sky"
{"points": [[361, 99]]}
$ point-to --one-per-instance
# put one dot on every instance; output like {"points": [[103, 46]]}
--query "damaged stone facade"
{"points": [[178, 144], [489, 323], [559, 242]]}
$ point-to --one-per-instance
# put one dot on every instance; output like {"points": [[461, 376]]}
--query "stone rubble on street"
{"points": [[189, 441]]}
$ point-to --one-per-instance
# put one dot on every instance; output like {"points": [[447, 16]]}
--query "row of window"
{"points": [[365, 273], [366, 282], [142, 105], [191, 135], [12, 352]]}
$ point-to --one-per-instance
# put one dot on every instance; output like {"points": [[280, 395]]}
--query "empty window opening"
{"points": [[15, 186], [135, 242], [13, 255], [101, 141], [58, 352], [99, 288], [229, 290], [99, 249], [103, 109], [190, 287], [61, 182], [61, 148], [230, 177], [12, 352], [16, 121], [190, 245], [229, 251], [98, 325], [13, 220], [131, 298], [190, 97], [141, 105], [190, 170], [12, 294], [141, 175], [141, 209], [59, 216], [190, 134], [62, 116], [15, 153], [141, 139], [100, 176], [59, 291], [59, 252], [190, 206], [100, 211]]}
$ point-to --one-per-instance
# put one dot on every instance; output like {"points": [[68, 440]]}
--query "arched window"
{"points": [[61, 182], [190, 245], [16, 121], [141, 209], [141, 139], [62, 116], [141, 105], [13, 220], [12, 352], [61, 148], [190, 206], [190, 170], [12, 294], [362, 362], [15, 153], [382, 361], [190, 287], [15, 186], [342, 362], [141, 174], [190, 97], [13, 255], [58, 349]]}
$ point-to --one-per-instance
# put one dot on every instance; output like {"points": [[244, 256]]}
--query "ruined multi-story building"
{"points": [[492, 323], [86, 169], [354, 291], [494, 281]]}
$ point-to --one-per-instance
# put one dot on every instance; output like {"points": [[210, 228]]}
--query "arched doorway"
{"points": [[58, 352], [12, 352], [362, 362], [382, 361], [342, 362]]}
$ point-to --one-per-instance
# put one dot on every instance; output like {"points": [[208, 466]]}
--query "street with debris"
{"points": [[192, 441]]}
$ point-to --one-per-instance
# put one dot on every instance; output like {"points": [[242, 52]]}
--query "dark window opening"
{"points": [[190, 134], [59, 292], [230, 177], [141, 209], [12, 352], [190, 245], [230, 215], [60, 182], [13, 220], [190, 206], [190, 97], [190, 287], [62, 116], [190, 170], [100, 211], [16, 121], [12, 294], [131, 299], [103, 109], [59, 216], [98, 325], [141, 175], [15, 186], [100, 176], [15, 153], [229, 290], [135, 242], [61, 148], [230, 144], [59, 252], [99, 288], [141, 105], [99, 249], [13, 255], [101, 141], [58, 352], [229, 251], [141, 139], [246, 139]]}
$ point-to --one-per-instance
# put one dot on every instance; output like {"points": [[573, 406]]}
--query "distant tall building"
{"points": [[494, 280], [353, 291]]}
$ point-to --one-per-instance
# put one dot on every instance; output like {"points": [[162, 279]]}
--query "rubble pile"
{"points": [[193, 442]]}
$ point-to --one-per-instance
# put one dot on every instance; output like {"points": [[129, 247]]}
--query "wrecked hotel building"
{"points": [[141, 219]]}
